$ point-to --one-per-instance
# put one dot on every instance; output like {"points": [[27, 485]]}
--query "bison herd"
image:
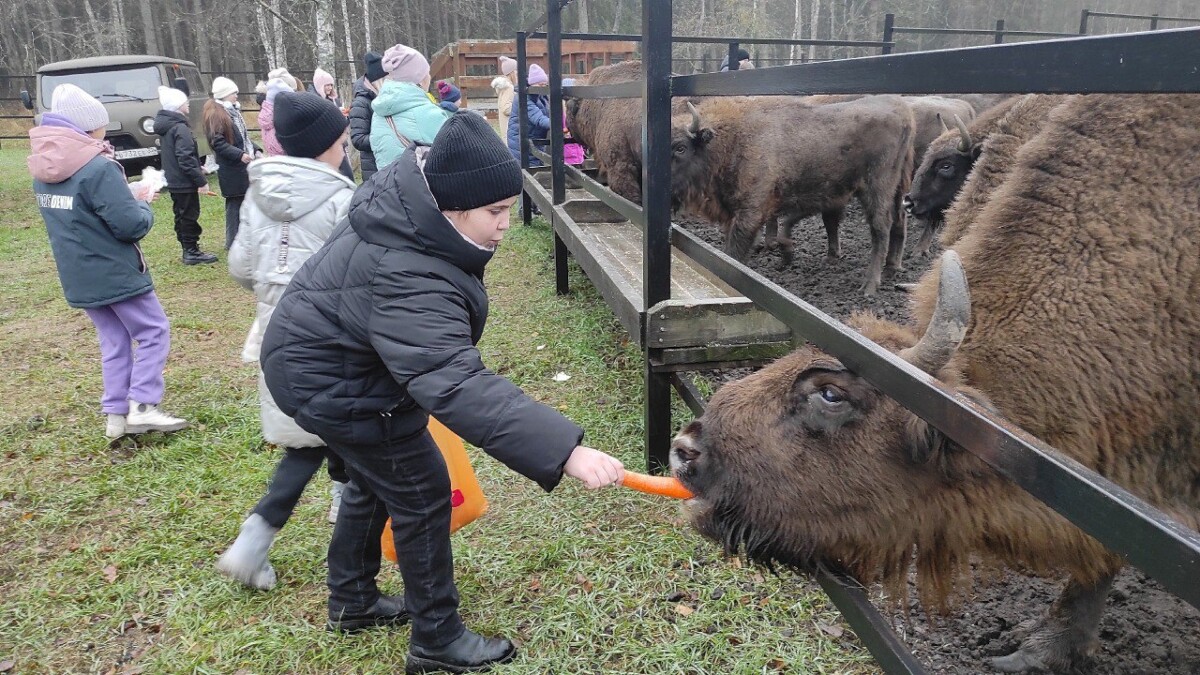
{"points": [[1066, 302]]}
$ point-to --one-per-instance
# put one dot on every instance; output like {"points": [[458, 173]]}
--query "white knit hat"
{"points": [[222, 87], [283, 74], [78, 107], [171, 99]]}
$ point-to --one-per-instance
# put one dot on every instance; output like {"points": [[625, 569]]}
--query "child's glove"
{"points": [[593, 468]]}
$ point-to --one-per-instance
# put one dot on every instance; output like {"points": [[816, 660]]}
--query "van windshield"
{"points": [[128, 84]]}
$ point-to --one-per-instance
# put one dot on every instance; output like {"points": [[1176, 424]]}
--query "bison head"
{"points": [[942, 173], [806, 464], [690, 139]]}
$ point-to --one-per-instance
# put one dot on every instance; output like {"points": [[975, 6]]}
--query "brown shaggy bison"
{"points": [[612, 128], [1080, 325], [744, 166], [952, 157]]}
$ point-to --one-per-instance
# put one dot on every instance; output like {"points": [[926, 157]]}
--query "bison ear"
{"points": [[705, 135], [976, 149], [923, 440]]}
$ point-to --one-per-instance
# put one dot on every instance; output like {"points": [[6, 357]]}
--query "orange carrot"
{"points": [[664, 486]]}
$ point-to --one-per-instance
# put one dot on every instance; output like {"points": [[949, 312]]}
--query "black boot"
{"points": [[388, 610], [470, 653], [192, 255]]}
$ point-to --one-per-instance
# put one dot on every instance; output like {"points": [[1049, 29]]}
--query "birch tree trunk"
{"points": [[324, 41], [617, 16], [148, 27], [797, 20], [584, 24], [366, 12], [201, 32], [122, 27], [277, 34], [264, 33], [814, 23], [93, 27], [349, 45]]}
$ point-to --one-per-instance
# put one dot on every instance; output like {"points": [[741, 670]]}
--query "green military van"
{"points": [[128, 88]]}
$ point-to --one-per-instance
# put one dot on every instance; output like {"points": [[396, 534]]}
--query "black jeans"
{"points": [[233, 218], [406, 479], [292, 474], [186, 206]]}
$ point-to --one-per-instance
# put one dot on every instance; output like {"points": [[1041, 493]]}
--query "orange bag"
{"points": [[466, 497]]}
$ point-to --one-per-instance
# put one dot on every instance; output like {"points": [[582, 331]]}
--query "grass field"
{"points": [[107, 553]]}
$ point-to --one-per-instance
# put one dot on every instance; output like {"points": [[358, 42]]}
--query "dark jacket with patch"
{"points": [[360, 126], [378, 330], [232, 174], [180, 156]]}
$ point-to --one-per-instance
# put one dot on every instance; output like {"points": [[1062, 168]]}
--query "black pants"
{"points": [[406, 479], [186, 206], [233, 218], [292, 474]]}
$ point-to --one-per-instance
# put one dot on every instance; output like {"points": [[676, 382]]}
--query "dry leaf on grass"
{"points": [[6, 666], [684, 610], [110, 573], [831, 630]]}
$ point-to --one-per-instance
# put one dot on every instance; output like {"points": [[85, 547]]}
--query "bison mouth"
{"points": [[726, 524]]}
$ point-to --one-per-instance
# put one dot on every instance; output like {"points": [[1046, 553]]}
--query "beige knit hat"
{"points": [[222, 87]]}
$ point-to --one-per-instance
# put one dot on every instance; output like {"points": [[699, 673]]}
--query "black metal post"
{"points": [[889, 32], [1154, 21], [656, 205], [523, 121], [999, 31], [1083, 21], [558, 181], [733, 59]]}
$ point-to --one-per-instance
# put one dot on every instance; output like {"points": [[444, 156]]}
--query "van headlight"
{"points": [[148, 125]]}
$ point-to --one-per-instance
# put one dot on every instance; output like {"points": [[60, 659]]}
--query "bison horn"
{"points": [[945, 129], [951, 315], [965, 144], [693, 128]]}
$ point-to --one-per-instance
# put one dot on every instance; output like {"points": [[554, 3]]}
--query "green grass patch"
{"points": [[107, 553]]}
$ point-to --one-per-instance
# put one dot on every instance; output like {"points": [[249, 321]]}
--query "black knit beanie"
{"points": [[469, 166], [374, 63], [307, 125]]}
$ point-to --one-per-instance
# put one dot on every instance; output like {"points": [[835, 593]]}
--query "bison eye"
{"points": [[946, 170], [831, 394], [680, 148]]}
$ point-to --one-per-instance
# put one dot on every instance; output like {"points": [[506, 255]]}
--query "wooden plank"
{"points": [[624, 298], [719, 357], [592, 211], [676, 323]]}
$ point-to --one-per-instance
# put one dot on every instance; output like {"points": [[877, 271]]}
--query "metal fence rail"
{"points": [[1158, 62], [1087, 14]]}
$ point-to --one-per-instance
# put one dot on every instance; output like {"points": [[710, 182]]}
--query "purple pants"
{"points": [[129, 373]]}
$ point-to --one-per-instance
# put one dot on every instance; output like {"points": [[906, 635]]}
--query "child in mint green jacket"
{"points": [[403, 112]]}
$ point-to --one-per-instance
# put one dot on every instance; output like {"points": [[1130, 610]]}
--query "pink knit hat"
{"points": [[507, 66], [537, 75], [321, 78], [405, 64]]}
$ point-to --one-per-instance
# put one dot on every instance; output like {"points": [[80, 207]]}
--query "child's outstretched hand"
{"points": [[594, 468]]}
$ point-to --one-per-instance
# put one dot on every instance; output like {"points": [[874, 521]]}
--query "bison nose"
{"points": [[908, 205]]}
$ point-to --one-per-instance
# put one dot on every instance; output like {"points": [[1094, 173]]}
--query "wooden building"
{"points": [[472, 64]]}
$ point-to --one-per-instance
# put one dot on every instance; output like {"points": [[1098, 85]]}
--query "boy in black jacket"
{"points": [[185, 178], [375, 333]]}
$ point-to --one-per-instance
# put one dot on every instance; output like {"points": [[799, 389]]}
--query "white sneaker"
{"points": [[146, 417], [246, 560], [115, 427], [336, 502]]}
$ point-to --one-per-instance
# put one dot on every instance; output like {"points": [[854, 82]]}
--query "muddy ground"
{"points": [[1145, 630]]}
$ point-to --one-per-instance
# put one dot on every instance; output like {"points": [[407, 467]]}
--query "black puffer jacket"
{"points": [[180, 156], [379, 328], [360, 127]]}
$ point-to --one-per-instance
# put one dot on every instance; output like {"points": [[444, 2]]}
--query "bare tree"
{"points": [[148, 27]]}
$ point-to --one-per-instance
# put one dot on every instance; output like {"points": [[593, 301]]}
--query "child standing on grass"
{"points": [[293, 205], [230, 142], [376, 333], [185, 178], [94, 224]]}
